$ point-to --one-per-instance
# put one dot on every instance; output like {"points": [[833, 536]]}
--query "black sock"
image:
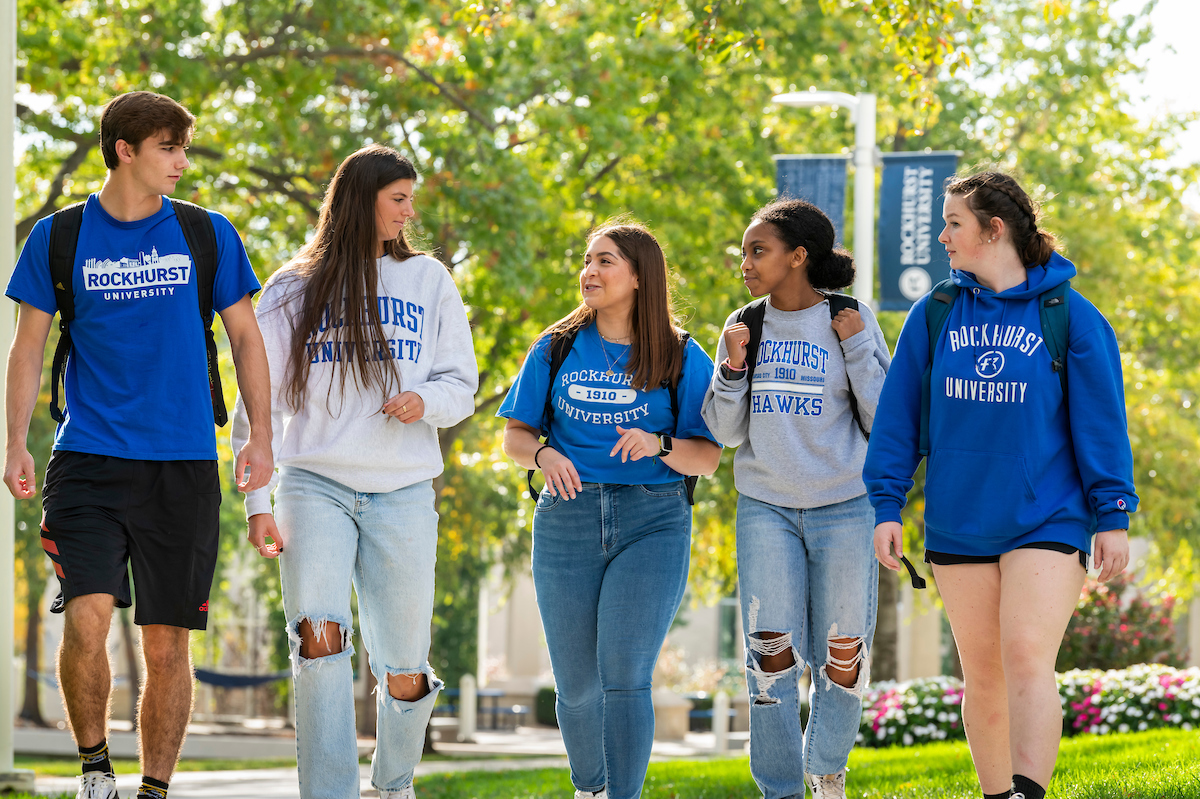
{"points": [[1027, 787], [1004, 795], [95, 758], [152, 789]]}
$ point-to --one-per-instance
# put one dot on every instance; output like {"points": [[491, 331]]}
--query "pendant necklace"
{"points": [[607, 360]]}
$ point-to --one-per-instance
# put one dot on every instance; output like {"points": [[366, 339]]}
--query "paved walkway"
{"points": [[527, 748]]}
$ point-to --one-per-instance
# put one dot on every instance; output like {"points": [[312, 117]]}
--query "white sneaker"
{"points": [[407, 792], [97, 785], [600, 794], [829, 786]]}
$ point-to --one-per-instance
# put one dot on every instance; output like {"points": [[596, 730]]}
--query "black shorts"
{"points": [[946, 559], [103, 515]]}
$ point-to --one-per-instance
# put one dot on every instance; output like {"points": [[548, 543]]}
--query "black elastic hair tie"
{"points": [[539, 452]]}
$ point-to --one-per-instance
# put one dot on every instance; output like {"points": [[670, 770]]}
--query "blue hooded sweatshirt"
{"points": [[1009, 463]]}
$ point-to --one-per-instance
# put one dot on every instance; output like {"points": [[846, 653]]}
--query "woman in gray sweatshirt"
{"points": [[370, 353], [799, 409]]}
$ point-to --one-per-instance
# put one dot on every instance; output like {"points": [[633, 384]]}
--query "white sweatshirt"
{"points": [[348, 439]]}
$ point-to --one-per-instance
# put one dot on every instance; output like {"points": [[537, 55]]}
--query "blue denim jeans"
{"points": [[609, 568], [386, 546], [810, 574]]}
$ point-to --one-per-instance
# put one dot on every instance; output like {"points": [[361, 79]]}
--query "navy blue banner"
{"points": [[820, 179], [911, 260]]}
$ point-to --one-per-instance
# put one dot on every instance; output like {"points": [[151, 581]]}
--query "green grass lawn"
{"points": [[1163, 764]]}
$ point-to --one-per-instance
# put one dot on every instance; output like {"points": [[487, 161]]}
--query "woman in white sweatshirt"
{"points": [[370, 353]]}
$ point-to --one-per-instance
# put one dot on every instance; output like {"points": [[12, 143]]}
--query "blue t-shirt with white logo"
{"points": [[589, 403], [136, 381]]}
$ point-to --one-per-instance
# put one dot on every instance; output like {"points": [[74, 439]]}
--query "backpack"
{"points": [[201, 240], [560, 346], [1052, 310], [752, 316]]}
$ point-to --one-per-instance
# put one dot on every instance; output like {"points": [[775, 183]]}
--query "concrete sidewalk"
{"points": [[525, 748]]}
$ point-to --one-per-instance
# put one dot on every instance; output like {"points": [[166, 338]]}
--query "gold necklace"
{"points": [[607, 360]]}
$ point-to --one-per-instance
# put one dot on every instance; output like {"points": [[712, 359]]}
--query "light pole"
{"points": [[862, 112], [10, 778]]}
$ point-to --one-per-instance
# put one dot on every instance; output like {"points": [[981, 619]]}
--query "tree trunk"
{"points": [[31, 709], [887, 629], [131, 665]]}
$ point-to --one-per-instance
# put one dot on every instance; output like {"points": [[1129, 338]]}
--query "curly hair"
{"points": [[802, 224]]}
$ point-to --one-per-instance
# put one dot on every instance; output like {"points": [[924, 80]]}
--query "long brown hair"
{"points": [[994, 194], [340, 276], [655, 354]]}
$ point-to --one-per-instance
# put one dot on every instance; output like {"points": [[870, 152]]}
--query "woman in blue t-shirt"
{"points": [[612, 529]]}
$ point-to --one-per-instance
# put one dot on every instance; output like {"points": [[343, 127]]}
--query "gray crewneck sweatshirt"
{"points": [[347, 439], [798, 444]]}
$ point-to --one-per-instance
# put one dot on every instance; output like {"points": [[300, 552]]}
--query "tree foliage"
{"points": [[532, 121]]}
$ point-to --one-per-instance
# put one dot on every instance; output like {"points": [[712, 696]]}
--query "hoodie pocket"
{"points": [[985, 495]]}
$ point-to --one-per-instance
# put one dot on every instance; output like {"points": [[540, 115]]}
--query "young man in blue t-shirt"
{"points": [[132, 480]]}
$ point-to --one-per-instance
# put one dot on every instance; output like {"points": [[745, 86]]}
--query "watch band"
{"points": [[665, 445]]}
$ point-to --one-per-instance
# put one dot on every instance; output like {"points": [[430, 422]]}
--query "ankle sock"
{"points": [[95, 758], [1004, 795], [152, 789], [1027, 787]]}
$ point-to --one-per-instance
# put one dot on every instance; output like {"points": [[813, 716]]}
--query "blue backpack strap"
{"points": [[64, 241], [937, 311], [752, 316], [560, 346], [1053, 309]]}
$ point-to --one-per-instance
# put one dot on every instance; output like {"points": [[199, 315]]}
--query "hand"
{"points": [[635, 444], [561, 478], [255, 458], [405, 406], [1110, 553], [262, 526], [847, 323], [889, 536], [20, 474], [737, 336]]}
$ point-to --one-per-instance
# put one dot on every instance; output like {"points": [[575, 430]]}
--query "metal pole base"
{"points": [[16, 780]]}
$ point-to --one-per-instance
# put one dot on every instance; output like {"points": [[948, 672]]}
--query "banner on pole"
{"points": [[820, 179], [911, 261]]}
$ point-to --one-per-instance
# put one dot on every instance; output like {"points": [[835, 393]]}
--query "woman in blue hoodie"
{"points": [[1023, 468]]}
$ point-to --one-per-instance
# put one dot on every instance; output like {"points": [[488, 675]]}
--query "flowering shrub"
{"points": [[1107, 632], [911, 712], [1142, 697], [1139, 698]]}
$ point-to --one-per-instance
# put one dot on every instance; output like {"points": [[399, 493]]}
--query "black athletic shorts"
{"points": [[946, 559], [102, 515]]}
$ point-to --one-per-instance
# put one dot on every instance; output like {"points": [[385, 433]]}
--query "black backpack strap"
{"points": [[201, 240], [560, 346], [689, 481], [838, 303], [937, 311], [64, 241], [1053, 309], [752, 316]]}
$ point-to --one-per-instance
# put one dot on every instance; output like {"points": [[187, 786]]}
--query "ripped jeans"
{"points": [[386, 545], [811, 575]]}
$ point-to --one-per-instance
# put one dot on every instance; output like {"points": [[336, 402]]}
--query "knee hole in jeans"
{"points": [[320, 639], [848, 664], [770, 655]]}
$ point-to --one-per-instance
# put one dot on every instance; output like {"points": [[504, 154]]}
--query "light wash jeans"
{"points": [[810, 574], [386, 545], [609, 568]]}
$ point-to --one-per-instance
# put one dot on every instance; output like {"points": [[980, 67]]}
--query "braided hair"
{"points": [[802, 224], [994, 194]]}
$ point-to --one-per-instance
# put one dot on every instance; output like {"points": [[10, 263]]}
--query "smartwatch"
{"points": [[664, 445]]}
